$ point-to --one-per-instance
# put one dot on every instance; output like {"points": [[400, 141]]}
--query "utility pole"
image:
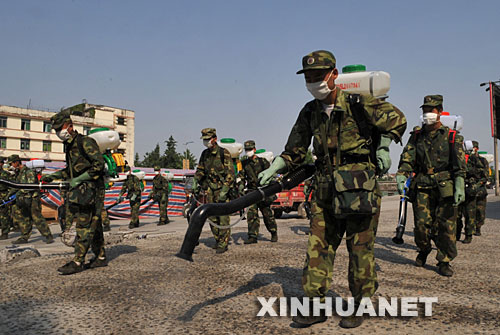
{"points": [[493, 116], [185, 161]]}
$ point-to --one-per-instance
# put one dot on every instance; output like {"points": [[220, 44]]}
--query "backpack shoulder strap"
{"points": [[453, 160], [357, 108], [79, 142], [221, 153]]}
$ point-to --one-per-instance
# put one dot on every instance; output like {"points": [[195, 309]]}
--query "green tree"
{"points": [[152, 158], [171, 158]]}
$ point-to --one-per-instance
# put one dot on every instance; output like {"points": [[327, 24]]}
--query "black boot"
{"points": [[302, 321], [445, 269], [4, 236], [97, 262], [478, 231], [70, 268], [274, 237], [421, 259], [467, 239], [351, 321], [251, 240]]}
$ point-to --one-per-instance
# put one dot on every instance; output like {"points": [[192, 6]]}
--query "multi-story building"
{"points": [[27, 132]]}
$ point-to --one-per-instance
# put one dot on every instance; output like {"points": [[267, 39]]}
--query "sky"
{"points": [[186, 65]]}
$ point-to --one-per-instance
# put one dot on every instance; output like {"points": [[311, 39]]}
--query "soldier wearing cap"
{"points": [[215, 175], [345, 158], [133, 186], [159, 194], [252, 166], [85, 172], [435, 154], [483, 175], [28, 207]]}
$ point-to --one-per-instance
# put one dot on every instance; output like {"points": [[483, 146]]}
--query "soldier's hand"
{"points": [[223, 193], [401, 183], [47, 178], [133, 197], [120, 198], [267, 175], [383, 158]]}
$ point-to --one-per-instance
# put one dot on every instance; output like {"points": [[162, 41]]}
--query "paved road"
{"points": [[146, 290]]}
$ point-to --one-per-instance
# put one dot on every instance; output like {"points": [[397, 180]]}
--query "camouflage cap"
{"points": [[433, 100], [208, 133], [475, 144], [318, 60], [60, 119], [249, 145], [13, 158], [157, 168]]}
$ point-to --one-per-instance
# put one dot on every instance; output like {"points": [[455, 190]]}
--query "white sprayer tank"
{"points": [[234, 148], [262, 153], [139, 174], [105, 138], [168, 175], [355, 79], [35, 164], [489, 157]]}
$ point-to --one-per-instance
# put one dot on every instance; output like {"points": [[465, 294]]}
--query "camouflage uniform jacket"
{"points": [[93, 163], [28, 176], [475, 170], [251, 169], [4, 190], [160, 185], [211, 172], [132, 185], [388, 119], [427, 153]]}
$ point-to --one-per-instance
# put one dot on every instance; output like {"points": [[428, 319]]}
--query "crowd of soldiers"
{"points": [[351, 135]]}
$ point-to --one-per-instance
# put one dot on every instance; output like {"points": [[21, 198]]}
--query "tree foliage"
{"points": [[170, 158]]}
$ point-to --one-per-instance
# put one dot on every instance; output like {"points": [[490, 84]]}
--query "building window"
{"points": [[25, 124], [3, 142], [25, 144], [3, 122], [122, 136], [121, 121], [47, 126], [86, 130], [47, 146]]}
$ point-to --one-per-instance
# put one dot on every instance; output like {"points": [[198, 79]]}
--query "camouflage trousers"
{"points": [[254, 222], [221, 236], [480, 211], [162, 201], [435, 217], [134, 211], [469, 211], [88, 228], [5, 219], [325, 236], [25, 217]]}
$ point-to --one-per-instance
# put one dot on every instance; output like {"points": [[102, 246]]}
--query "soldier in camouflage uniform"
{"points": [[28, 207], [133, 187], [341, 150], [482, 192], [5, 210], [252, 166], [473, 182], [215, 175], [435, 153], [106, 224], [159, 194], [85, 172]]}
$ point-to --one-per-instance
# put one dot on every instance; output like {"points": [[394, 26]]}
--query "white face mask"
{"points": [[249, 153], [208, 143], [64, 135], [429, 118], [320, 89]]}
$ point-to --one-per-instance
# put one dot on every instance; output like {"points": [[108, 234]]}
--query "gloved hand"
{"points": [[223, 193], [150, 196], [47, 178], [120, 199], [459, 193], [80, 179], [163, 197], [401, 183], [133, 197], [278, 165], [195, 186], [383, 158]]}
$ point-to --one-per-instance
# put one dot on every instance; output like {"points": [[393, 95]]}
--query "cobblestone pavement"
{"points": [[146, 290]]}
